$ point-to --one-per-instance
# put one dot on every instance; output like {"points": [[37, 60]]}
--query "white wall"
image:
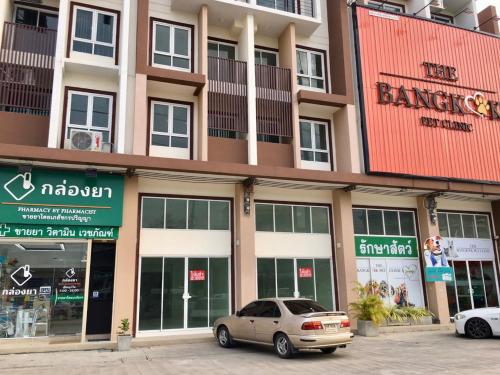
{"points": [[285, 245]]}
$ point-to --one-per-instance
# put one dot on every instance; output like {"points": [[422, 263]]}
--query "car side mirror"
{"points": [[238, 313]]}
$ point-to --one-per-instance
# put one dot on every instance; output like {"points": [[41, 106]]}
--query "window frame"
{"points": [[292, 205], [270, 51], [170, 103], [224, 42], [173, 25], [469, 213], [443, 18], [313, 164], [36, 7], [382, 6], [95, 16], [399, 210], [310, 52], [229, 201], [90, 94]]}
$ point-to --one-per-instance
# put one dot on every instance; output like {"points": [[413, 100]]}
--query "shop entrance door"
{"points": [[475, 286], [101, 284], [195, 292]]}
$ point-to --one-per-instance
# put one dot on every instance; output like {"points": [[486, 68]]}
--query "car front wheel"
{"points": [[224, 337], [477, 328], [283, 346], [328, 350]]}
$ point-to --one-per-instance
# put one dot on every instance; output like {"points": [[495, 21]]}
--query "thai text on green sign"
{"points": [[58, 231], [60, 197], [385, 246]]}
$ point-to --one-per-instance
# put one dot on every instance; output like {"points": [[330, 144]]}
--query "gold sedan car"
{"points": [[288, 324]]}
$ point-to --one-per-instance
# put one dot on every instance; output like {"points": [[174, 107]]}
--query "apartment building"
{"points": [[170, 161]]}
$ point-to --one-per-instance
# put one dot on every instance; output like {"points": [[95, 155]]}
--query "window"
{"points": [[285, 5], [266, 57], [291, 218], [172, 46], [383, 222], [36, 17], [303, 307], [293, 277], [311, 69], [314, 144], [391, 7], [464, 225], [170, 129], [89, 111], [94, 31], [222, 50], [442, 18], [269, 309], [177, 213], [251, 309]]}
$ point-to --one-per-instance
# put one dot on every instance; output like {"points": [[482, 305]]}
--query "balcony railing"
{"points": [[26, 69], [274, 100], [302, 7], [227, 98]]}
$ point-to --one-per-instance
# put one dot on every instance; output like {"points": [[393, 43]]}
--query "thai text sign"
{"points": [[58, 231], [197, 275], [436, 274], [392, 247], [56, 197]]}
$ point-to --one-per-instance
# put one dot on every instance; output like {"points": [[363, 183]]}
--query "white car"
{"points": [[478, 323]]}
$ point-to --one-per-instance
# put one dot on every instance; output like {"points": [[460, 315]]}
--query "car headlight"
{"points": [[459, 316]]}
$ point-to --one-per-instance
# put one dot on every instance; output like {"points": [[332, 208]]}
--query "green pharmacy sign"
{"points": [[60, 198], [386, 246]]}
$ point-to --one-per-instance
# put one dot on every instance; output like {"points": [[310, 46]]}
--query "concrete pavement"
{"points": [[402, 353]]}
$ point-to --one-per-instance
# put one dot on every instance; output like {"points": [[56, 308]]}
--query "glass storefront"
{"points": [[178, 293], [306, 278], [387, 255], [470, 251], [42, 286]]}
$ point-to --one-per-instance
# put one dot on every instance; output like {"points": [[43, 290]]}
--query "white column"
{"points": [[246, 48], [123, 91], [55, 124], [414, 6], [5, 15], [468, 20]]}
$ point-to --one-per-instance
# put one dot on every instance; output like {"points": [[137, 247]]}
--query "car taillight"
{"points": [[309, 326], [345, 324]]}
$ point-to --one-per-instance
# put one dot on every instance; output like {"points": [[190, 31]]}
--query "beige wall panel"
{"points": [[287, 245], [363, 199]]}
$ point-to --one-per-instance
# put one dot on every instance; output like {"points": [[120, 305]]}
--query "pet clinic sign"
{"points": [[45, 203], [440, 101], [427, 110]]}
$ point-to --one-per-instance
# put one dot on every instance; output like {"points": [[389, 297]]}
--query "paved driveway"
{"points": [[401, 353]]}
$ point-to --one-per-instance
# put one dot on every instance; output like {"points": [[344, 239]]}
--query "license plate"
{"points": [[331, 327]]}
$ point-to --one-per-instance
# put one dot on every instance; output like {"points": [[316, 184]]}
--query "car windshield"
{"points": [[299, 307]]}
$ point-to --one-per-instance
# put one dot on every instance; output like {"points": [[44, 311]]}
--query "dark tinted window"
{"points": [[269, 310], [299, 307], [251, 309]]}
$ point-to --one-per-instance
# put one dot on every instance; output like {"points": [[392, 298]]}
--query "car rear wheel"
{"points": [[328, 350], [283, 346], [224, 338], [477, 328]]}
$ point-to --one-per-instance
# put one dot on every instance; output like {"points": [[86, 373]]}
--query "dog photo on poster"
{"points": [[436, 260]]}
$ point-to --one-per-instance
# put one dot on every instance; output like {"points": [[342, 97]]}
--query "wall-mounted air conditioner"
{"points": [[437, 4], [84, 140]]}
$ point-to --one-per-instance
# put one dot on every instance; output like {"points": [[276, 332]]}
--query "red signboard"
{"points": [[197, 275], [305, 272], [430, 98]]}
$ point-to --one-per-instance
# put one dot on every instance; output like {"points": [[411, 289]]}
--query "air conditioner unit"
{"points": [[84, 140], [438, 4]]}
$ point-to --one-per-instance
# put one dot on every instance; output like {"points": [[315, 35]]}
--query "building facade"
{"points": [[170, 161]]}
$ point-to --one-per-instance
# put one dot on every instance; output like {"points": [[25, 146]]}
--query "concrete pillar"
{"points": [[55, 124], [126, 259], [141, 136], [245, 267], [5, 14], [415, 6], [347, 150], [201, 153], [246, 45], [345, 255], [437, 298], [496, 229], [288, 59]]}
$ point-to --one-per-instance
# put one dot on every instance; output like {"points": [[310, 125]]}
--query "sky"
{"points": [[481, 4]]}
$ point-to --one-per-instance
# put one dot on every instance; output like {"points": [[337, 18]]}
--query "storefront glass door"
{"points": [[474, 287], [194, 292]]}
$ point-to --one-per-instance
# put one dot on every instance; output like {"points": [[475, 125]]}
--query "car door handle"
{"points": [[276, 322], [251, 320]]}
